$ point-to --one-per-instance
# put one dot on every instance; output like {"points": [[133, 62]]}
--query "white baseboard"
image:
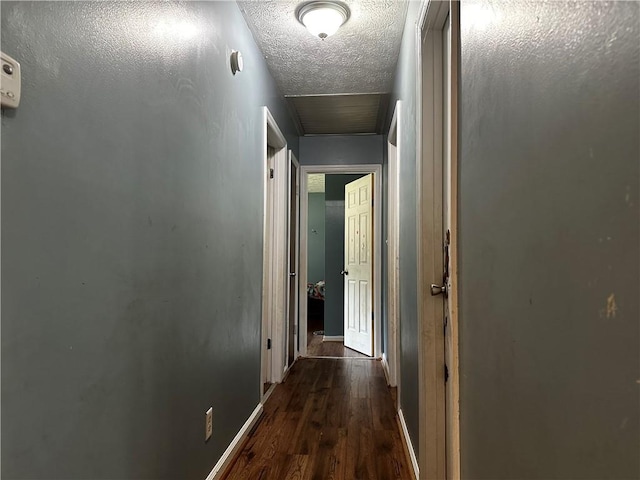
{"points": [[230, 453], [268, 393], [385, 367], [336, 338], [408, 444], [288, 369]]}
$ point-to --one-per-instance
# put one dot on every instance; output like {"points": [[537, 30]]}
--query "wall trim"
{"points": [[291, 163], [395, 150], [287, 370], [268, 393], [385, 368], [406, 440], [324, 357], [333, 338], [234, 447], [275, 277]]}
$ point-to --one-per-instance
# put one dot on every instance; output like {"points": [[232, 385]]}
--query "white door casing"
{"points": [[305, 170], [293, 292], [274, 274], [358, 265], [393, 257]]}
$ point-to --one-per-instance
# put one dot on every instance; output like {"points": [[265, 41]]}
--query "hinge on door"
{"points": [[268, 344], [271, 173], [372, 202], [446, 373]]}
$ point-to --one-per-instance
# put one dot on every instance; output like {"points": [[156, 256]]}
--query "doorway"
{"points": [[322, 264], [327, 332]]}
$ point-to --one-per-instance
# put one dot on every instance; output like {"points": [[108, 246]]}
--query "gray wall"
{"points": [[315, 237], [549, 240], [334, 253], [341, 149], [405, 89], [131, 238]]}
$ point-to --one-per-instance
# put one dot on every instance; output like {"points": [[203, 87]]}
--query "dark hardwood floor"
{"points": [[317, 348], [332, 419]]}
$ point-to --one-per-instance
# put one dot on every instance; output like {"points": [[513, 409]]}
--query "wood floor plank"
{"points": [[297, 469], [332, 419], [317, 348]]}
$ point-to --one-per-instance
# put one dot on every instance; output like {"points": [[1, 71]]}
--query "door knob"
{"points": [[344, 272], [438, 290], [292, 274]]}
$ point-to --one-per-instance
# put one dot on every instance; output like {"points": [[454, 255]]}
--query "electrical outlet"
{"points": [[208, 424]]}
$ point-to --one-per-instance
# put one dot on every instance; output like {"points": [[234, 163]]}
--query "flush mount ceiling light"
{"points": [[323, 19]]}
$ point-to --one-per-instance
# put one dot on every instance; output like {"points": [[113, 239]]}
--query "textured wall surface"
{"points": [[131, 237], [549, 207], [359, 58], [341, 150], [315, 238], [334, 256], [405, 89]]}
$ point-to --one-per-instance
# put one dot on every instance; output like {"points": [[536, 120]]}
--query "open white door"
{"points": [[358, 268]]}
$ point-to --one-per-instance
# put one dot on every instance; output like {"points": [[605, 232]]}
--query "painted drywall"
{"points": [[334, 253], [405, 89], [341, 150], [132, 186], [315, 238], [549, 236]]}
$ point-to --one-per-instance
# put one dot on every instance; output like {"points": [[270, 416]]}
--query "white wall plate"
{"points": [[10, 82]]}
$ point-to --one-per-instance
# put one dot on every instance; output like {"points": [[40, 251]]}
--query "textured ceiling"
{"points": [[360, 58]]}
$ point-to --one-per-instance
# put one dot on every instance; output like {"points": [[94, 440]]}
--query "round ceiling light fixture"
{"points": [[323, 19]]}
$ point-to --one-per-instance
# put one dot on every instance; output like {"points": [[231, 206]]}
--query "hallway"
{"points": [[330, 419], [155, 165]]}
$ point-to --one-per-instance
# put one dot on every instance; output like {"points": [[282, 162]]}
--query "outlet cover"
{"points": [[10, 82], [208, 424]]}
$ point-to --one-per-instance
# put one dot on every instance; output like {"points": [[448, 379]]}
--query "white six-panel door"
{"points": [[358, 265]]}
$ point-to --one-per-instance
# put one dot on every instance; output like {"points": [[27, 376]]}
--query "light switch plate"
{"points": [[10, 82]]}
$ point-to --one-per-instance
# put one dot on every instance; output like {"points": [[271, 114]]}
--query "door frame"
{"points": [[439, 404], [274, 251], [296, 268], [391, 357], [376, 170]]}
